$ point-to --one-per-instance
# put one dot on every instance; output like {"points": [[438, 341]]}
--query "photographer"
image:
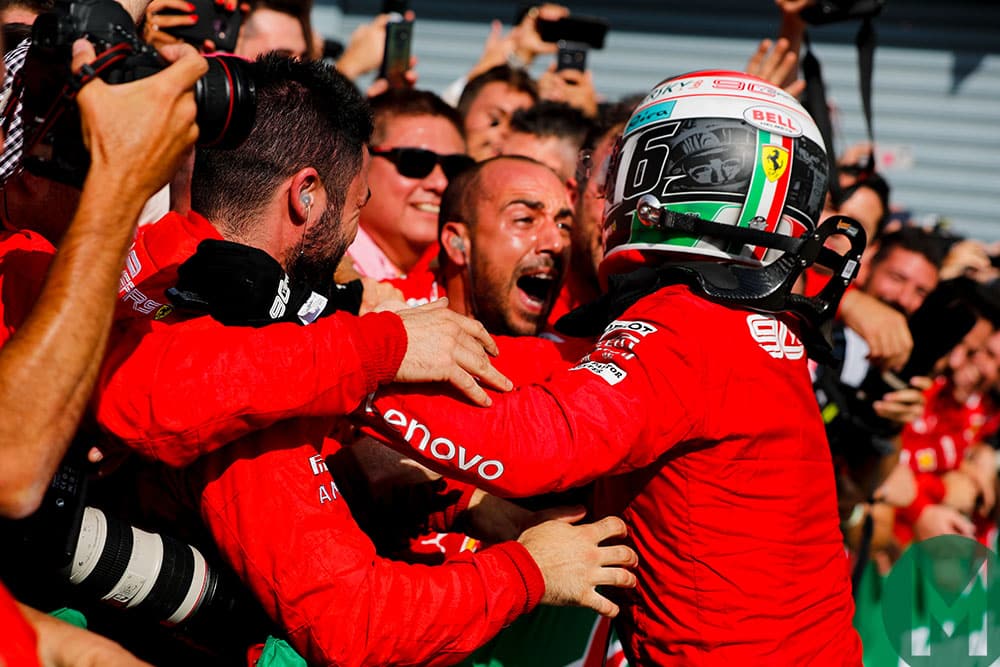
{"points": [[50, 354]]}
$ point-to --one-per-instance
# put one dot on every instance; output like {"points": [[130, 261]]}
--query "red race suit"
{"points": [[175, 386], [278, 517], [701, 427]]}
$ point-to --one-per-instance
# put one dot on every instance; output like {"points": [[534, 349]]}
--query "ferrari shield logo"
{"points": [[775, 160]]}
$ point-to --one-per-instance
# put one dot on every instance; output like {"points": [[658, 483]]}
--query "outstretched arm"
{"points": [[48, 367]]}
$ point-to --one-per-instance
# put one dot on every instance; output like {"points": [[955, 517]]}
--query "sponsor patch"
{"points": [[773, 120], [650, 115], [926, 460], [774, 337], [419, 437], [609, 372]]}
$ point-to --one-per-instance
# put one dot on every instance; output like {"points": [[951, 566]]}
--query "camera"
{"points": [[53, 146], [108, 559], [72, 552]]}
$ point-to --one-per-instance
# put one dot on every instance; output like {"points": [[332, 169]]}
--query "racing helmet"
{"points": [[722, 148]]}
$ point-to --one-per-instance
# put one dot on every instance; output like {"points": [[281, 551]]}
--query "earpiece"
{"points": [[458, 244], [306, 199]]}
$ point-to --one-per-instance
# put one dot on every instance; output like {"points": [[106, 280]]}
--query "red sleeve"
{"points": [[20, 644], [282, 524], [607, 413], [24, 262], [176, 391]]}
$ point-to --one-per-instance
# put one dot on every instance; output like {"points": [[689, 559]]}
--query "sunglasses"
{"points": [[419, 162]]}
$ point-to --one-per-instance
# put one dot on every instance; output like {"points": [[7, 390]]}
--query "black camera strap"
{"points": [[66, 98], [816, 102]]}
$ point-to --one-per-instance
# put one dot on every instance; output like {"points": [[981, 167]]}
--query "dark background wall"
{"points": [[937, 77]]}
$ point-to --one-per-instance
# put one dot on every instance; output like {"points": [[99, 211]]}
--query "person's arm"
{"points": [[608, 414], [281, 522], [884, 328], [48, 367], [63, 645], [175, 392]]}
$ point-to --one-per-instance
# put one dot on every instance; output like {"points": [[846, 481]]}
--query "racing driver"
{"points": [[694, 412]]}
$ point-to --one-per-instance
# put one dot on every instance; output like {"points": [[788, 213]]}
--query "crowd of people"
{"points": [[419, 379]]}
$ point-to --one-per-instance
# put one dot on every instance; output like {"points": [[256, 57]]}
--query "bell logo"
{"points": [[773, 120], [774, 337]]}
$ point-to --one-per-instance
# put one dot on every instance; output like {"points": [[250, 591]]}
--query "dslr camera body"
{"points": [[46, 86]]}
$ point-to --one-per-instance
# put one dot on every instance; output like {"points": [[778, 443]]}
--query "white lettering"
{"points": [[609, 372], [443, 441], [465, 465], [497, 467], [774, 337], [326, 496], [132, 264], [316, 464], [395, 418], [280, 299], [442, 449], [640, 328], [411, 429]]}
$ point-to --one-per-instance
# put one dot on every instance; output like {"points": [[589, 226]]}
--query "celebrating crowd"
{"points": [[296, 373]]}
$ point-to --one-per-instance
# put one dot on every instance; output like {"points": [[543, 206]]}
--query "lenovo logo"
{"points": [[441, 449]]}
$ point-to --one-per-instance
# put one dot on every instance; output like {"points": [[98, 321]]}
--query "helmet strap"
{"points": [[765, 289]]}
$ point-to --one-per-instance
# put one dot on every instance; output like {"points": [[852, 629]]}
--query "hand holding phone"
{"points": [[396, 57], [571, 55]]}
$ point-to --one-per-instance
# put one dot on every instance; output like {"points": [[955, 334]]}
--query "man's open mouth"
{"points": [[538, 287]]}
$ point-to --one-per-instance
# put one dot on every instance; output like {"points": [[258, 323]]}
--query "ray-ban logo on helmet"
{"points": [[775, 161], [774, 337]]}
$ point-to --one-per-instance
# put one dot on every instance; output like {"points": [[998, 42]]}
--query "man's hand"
{"points": [[443, 346], [899, 488], [883, 328], [776, 63], [981, 466], [376, 293], [936, 520], [570, 86], [573, 563], [904, 406], [138, 133], [961, 491], [63, 645]]}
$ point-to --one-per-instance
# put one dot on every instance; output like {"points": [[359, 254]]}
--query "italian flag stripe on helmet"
{"points": [[769, 184]]}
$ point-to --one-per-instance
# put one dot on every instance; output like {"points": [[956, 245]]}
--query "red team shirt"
{"points": [[700, 425]]}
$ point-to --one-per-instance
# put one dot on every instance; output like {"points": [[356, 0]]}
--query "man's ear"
{"points": [[455, 241], [305, 195]]}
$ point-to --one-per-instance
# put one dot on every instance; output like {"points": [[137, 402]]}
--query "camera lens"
{"points": [[227, 102], [128, 567]]}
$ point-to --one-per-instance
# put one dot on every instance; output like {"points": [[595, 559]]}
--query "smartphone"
{"points": [[584, 29], [396, 57], [395, 6], [571, 55], [215, 23]]}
